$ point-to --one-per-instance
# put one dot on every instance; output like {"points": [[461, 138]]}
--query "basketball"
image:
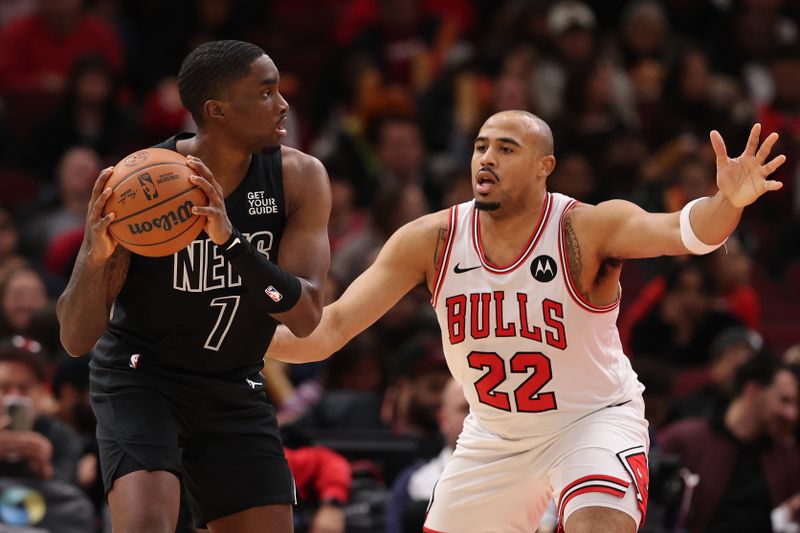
{"points": [[152, 199]]}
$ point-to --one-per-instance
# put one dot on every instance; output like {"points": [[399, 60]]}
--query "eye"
{"points": [[267, 93], [480, 148], [506, 150]]}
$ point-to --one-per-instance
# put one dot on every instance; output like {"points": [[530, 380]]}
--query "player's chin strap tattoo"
{"points": [[274, 289]]}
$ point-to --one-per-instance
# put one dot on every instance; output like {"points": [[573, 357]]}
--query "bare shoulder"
{"points": [[300, 163], [304, 178], [425, 238]]}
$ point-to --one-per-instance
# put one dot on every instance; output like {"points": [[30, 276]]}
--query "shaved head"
{"points": [[538, 126]]}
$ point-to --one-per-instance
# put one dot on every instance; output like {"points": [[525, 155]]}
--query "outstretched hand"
{"points": [[743, 179], [218, 225]]}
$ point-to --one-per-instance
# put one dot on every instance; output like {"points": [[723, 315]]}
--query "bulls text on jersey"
{"points": [[481, 314]]}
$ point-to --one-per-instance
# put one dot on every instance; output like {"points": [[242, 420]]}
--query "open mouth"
{"points": [[281, 127], [485, 181]]}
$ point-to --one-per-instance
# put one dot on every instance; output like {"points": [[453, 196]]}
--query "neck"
{"points": [[229, 163], [506, 231], [742, 420]]}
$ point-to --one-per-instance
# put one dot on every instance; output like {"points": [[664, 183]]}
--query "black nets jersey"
{"points": [[190, 311]]}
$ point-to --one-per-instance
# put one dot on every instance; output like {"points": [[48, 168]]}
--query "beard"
{"points": [[487, 206]]}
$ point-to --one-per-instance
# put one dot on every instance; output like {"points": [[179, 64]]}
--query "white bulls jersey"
{"points": [[532, 354]]}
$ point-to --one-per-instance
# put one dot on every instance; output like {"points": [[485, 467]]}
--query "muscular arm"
{"points": [[401, 265], [84, 307], [305, 250], [100, 271]]}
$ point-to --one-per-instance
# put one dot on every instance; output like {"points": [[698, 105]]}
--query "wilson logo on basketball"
{"points": [[166, 221]]}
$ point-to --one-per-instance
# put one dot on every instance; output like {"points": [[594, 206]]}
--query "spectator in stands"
{"points": [[659, 382], [747, 462], [731, 349], [323, 480], [346, 219], [89, 115], [38, 51], [346, 394], [681, 328], [9, 238], [394, 206], [401, 156], [413, 487], [47, 448], [732, 270], [75, 176], [70, 387], [22, 293]]}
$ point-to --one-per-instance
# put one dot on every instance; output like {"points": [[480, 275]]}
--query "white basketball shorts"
{"points": [[501, 485]]}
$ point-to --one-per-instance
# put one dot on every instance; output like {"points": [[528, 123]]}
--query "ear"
{"points": [[213, 109], [546, 165]]}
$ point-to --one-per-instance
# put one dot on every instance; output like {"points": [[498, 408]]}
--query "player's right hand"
{"points": [[100, 242]]}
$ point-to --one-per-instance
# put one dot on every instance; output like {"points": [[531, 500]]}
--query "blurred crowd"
{"points": [[389, 94]]}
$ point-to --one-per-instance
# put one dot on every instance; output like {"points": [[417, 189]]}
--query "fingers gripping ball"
{"points": [[152, 201]]}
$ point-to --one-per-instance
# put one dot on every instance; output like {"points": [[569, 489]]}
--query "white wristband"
{"points": [[690, 239]]}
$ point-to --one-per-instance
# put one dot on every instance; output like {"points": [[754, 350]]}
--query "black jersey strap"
{"points": [[274, 289]]}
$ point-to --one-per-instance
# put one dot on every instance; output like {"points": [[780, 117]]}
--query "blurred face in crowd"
{"points": [[510, 161], [695, 79], [425, 398], [93, 87], [76, 174], [786, 75], [24, 294], [453, 411], [400, 148], [778, 405], [695, 179], [574, 177], [690, 296], [732, 265], [724, 366], [18, 379]]}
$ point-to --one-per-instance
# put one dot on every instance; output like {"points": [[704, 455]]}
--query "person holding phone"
{"points": [[32, 444]]}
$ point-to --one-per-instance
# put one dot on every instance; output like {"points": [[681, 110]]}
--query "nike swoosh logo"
{"points": [[458, 270], [234, 243]]}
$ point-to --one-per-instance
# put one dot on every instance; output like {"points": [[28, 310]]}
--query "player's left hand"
{"points": [[743, 179], [218, 225]]}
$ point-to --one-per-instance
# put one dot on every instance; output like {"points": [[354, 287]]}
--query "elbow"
{"points": [[305, 325], [73, 344], [73, 347]]}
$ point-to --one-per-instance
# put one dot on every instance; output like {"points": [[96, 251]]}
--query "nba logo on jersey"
{"points": [[273, 293], [134, 360]]}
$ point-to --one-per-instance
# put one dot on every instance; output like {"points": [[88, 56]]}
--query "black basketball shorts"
{"points": [[219, 436]]}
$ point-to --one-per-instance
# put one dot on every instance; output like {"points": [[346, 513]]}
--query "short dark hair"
{"points": [[761, 370], [210, 68], [25, 357]]}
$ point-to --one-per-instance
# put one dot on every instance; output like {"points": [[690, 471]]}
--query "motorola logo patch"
{"points": [[543, 268]]}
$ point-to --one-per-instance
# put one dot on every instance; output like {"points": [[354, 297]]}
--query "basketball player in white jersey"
{"points": [[525, 284]]}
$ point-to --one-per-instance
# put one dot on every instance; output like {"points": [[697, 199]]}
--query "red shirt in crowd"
{"points": [[32, 53]]}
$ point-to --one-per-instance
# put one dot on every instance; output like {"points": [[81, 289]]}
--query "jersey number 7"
{"points": [[527, 398]]}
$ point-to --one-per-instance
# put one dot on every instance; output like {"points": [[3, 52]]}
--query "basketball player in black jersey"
{"points": [[175, 380]]}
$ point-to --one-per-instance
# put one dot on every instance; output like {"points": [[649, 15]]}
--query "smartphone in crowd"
{"points": [[19, 410]]}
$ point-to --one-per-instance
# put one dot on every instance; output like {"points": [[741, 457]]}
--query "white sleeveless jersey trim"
{"points": [[532, 356], [537, 233], [445, 260], [577, 297]]}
